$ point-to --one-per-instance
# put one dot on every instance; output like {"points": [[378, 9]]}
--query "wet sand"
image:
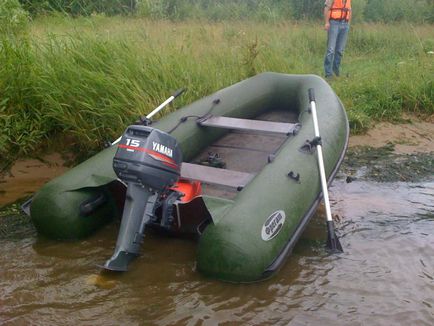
{"points": [[410, 138], [27, 176]]}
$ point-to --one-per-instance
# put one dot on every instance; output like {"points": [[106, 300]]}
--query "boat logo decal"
{"points": [[273, 225]]}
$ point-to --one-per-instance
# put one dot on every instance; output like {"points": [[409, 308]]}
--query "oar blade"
{"points": [[333, 243]]}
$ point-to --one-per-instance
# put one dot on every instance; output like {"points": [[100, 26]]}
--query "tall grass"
{"points": [[85, 79]]}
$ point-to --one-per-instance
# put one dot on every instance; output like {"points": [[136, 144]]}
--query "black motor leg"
{"points": [[131, 233]]}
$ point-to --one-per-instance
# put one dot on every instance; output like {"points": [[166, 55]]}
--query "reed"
{"points": [[85, 79]]}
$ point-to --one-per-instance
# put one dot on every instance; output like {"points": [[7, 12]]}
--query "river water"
{"points": [[384, 277]]}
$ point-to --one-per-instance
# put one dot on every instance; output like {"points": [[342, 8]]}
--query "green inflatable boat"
{"points": [[237, 170]]}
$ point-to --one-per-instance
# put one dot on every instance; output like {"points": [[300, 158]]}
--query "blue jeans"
{"points": [[336, 41]]}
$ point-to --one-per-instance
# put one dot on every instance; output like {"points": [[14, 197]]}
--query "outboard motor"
{"points": [[149, 161]]}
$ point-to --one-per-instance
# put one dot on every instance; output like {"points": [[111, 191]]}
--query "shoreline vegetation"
{"points": [[73, 83]]}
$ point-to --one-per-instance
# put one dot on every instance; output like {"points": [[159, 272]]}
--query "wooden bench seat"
{"points": [[249, 125], [206, 174]]}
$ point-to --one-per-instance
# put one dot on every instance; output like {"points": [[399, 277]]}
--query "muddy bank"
{"points": [[409, 138], [392, 153], [27, 176], [383, 164], [388, 152]]}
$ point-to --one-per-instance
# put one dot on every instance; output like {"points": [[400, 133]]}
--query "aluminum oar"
{"points": [[332, 240]]}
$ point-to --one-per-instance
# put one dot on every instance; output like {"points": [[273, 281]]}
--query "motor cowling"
{"points": [[149, 157]]}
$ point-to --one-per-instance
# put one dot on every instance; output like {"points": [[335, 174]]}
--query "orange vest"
{"points": [[341, 9]]}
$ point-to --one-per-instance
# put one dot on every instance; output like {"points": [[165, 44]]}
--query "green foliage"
{"points": [[80, 7], [358, 10], [151, 9], [399, 10], [263, 10], [22, 127], [13, 19], [307, 9], [36, 7]]}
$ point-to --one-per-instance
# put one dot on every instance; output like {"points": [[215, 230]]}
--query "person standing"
{"points": [[337, 15]]}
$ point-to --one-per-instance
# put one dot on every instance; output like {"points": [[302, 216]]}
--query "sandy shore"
{"points": [[416, 137], [27, 176]]}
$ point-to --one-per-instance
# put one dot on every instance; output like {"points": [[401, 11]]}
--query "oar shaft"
{"points": [[324, 184], [321, 162], [159, 108], [166, 102]]}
